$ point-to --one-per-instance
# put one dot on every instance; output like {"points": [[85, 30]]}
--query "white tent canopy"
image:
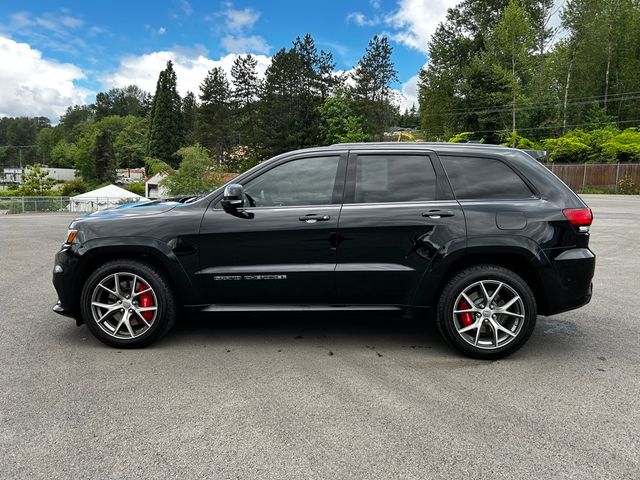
{"points": [[104, 197]]}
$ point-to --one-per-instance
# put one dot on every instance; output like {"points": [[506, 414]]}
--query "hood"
{"points": [[134, 209]]}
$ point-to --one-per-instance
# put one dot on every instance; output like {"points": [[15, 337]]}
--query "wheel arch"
{"points": [[522, 262], [165, 262]]}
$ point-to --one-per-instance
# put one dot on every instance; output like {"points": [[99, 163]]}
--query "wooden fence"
{"points": [[605, 176]]}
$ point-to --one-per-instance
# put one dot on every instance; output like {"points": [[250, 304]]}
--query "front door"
{"points": [[280, 248], [398, 218]]}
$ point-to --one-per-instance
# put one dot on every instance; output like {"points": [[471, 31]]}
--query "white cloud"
{"points": [[32, 85], [235, 29], [347, 75], [191, 69], [60, 32], [416, 20], [408, 96], [251, 43], [238, 20], [54, 23], [412, 23], [162, 31], [186, 7], [362, 20], [555, 22]]}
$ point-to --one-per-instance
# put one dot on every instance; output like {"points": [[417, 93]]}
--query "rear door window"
{"points": [[394, 178], [483, 178]]}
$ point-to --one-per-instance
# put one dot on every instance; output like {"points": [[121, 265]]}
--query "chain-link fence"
{"points": [[9, 205]]}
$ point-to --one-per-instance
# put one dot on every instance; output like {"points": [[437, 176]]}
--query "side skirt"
{"points": [[299, 308]]}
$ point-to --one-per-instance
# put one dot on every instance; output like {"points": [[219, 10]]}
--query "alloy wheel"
{"points": [[488, 314], [124, 305]]}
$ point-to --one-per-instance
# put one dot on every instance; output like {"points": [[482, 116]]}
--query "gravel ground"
{"points": [[322, 396]]}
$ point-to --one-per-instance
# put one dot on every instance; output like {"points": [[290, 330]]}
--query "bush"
{"points": [[196, 174], [36, 182], [462, 137], [135, 187], [571, 148], [514, 139], [627, 186], [74, 187], [154, 166], [624, 147]]}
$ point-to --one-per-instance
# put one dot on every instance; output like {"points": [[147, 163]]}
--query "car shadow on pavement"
{"points": [[376, 331], [289, 328]]}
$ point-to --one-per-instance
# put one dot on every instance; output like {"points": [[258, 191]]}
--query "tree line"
{"points": [[238, 121], [500, 71]]}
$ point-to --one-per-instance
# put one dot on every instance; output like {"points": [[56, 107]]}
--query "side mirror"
{"points": [[233, 197]]}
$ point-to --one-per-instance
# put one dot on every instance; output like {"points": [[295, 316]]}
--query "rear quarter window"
{"points": [[483, 178]]}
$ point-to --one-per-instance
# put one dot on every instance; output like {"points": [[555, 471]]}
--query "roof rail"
{"points": [[452, 144]]}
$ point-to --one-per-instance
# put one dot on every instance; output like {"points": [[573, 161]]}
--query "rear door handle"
{"points": [[438, 213], [313, 218]]}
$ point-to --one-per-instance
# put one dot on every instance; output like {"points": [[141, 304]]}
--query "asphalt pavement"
{"points": [[319, 396]]}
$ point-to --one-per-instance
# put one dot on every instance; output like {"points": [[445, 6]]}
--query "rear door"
{"points": [[398, 218]]}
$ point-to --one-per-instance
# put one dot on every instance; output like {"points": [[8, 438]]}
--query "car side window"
{"points": [[483, 178], [394, 178], [305, 181]]}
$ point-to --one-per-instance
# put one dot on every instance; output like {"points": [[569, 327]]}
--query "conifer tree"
{"points": [[213, 127], [105, 158], [373, 77], [166, 130], [246, 92], [189, 111]]}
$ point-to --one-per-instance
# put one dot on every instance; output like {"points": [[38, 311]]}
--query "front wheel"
{"points": [[487, 311], [127, 304]]}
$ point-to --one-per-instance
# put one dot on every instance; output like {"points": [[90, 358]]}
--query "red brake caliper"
{"points": [[146, 300], [466, 318]]}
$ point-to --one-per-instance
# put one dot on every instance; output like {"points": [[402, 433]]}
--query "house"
{"points": [[153, 189], [14, 175]]}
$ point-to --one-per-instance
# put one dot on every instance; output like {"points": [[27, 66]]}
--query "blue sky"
{"points": [[57, 53]]}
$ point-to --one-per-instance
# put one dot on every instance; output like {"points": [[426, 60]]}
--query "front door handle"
{"points": [[313, 218], [438, 213]]}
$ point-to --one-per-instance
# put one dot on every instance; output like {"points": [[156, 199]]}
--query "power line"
{"points": [[545, 128], [509, 108], [591, 97], [522, 106]]}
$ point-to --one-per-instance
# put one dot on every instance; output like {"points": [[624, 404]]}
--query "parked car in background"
{"points": [[484, 237]]}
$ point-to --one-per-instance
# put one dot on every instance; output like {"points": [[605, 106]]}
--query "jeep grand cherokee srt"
{"points": [[483, 236]]}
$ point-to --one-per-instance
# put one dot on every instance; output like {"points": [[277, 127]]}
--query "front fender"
{"points": [[93, 252]]}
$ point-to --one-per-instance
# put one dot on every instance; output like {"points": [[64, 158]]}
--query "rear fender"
{"points": [[515, 252]]}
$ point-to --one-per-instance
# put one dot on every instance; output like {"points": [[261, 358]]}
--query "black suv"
{"points": [[483, 236]]}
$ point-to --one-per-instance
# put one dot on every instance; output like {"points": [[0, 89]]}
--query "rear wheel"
{"points": [[127, 304], [487, 311]]}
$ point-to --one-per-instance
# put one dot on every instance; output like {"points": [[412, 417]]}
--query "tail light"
{"points": [[579, 217]]}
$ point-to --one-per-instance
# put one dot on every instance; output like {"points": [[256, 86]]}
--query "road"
{"points": [[300, 396]]}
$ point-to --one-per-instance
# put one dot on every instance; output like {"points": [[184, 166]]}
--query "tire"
{"points": [[140, 310], [481, 330]]}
